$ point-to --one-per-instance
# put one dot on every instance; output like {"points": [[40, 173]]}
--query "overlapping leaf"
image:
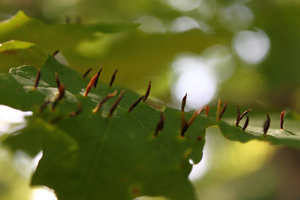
{"points": [[64, 37]]}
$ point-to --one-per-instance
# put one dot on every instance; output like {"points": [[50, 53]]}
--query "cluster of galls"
{"points": [[184, 123]]}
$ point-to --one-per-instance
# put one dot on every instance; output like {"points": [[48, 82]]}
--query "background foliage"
{"points": [[266, 79]]}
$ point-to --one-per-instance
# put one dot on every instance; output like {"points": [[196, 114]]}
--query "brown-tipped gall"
{"points": [[160, 124], [97, 77], [74, 113], [54, 105], [183, 102], [113, 78], [267, 124], [244, 113], [57, 80], [147, 92], [55, 52], [241, 117], [56, 119], [135, 103], [87, 72], [281, 120], [206, 110], [92, 82], [183, 121], [237, 116], [68, 19], [61, 90], [220, 110], [246, 123], [104, 100], [186, 125], [61, 94], [184, 129], [37, 80], [198, 112], [78, 20], [116, 103], [44, 105]]}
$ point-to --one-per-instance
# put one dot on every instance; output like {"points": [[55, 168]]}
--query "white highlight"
{"points": [[221, 61], [195, 79], [252, 46], [236, 18], [182, 24], [43, 194], [150, 24], [12, 120], [184, 5]]}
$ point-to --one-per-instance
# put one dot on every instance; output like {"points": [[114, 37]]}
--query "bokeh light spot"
{"points": [[150, 24], [195, 79], [236, 18], [221, 61], [182, 24], [184, 5], [251, 46]]}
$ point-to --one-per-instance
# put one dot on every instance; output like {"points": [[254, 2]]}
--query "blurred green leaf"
{"points": [[63, 37], [16, 53], [140, 56]]}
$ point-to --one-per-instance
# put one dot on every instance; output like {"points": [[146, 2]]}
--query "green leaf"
{"points": [[92, 156], [28, 140]]}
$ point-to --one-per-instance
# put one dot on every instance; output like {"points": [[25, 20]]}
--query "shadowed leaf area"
{"points": [[113, 153]]}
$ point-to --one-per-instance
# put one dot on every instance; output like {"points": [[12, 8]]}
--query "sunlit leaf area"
{"points": [[245, 52]]}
